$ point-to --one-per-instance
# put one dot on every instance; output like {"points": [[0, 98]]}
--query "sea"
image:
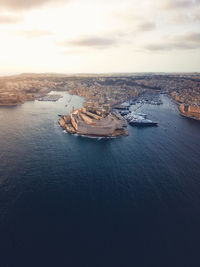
{"points": [[70, 201]]}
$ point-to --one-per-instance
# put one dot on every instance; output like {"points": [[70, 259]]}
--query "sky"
{"points": [[99, 36]]}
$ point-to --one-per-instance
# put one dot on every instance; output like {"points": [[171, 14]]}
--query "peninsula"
{"points": [[93, 120]]}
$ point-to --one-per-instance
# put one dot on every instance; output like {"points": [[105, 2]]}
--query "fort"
{"points": [[93, 120]]}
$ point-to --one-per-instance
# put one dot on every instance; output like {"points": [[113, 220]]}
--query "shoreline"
{"points": [[179, 111], [91, 136], [188, 117], [11, 105]]}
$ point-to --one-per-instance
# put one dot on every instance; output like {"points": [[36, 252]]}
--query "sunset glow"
{"points": [[99, 36]]}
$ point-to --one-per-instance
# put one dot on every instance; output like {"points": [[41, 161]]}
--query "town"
{"points": [[106, 89]]}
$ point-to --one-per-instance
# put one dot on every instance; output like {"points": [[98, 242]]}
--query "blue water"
{"points": [[73, 201]]}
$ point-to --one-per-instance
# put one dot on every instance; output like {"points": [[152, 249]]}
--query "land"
{"points": [[52, 98], [93, 120], [15, 90], [105, 92]]}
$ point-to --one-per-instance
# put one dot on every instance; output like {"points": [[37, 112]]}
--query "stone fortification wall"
{"points": [[87, 126], [190, 111]]}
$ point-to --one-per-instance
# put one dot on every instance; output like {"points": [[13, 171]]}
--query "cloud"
{"points": [[170, 46], [184, 17], [95, 42], [34, 33], [192, 37], [158, 47], [26, 4], [185, 41], [178, 4], [73, 52], [146, 26], [8, 19], [196, 17]]}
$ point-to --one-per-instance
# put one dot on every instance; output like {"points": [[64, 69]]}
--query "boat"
{"points": [[143, 122], [124, 112], [142, 115], [126, 104], [139, 119]]}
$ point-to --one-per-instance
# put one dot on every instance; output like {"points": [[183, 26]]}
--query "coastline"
{"points": [[180, 112], [187, 116], [11, 105], [91, 136]]}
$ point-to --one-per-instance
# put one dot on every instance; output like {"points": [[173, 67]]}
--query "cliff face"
{"points": [[190, 111]]}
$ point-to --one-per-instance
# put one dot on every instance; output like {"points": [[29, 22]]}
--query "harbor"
{"points": [[51, 181], [50, 97], [138, 119], [135, 118]]}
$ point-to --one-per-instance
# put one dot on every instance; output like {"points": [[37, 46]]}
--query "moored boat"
{"points": [[143, 122], [139, 119]]}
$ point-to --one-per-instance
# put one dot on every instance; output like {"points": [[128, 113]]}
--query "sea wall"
{"points": [[190, 111]]}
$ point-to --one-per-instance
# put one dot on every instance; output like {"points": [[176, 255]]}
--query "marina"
{"points": [[132, 116], [50, 97], [139, 119]]}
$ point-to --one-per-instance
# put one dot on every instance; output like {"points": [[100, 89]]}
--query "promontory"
{"points": [[94, 120]]}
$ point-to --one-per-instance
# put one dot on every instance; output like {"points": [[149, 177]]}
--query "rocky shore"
{"points": [[93, 121]]}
